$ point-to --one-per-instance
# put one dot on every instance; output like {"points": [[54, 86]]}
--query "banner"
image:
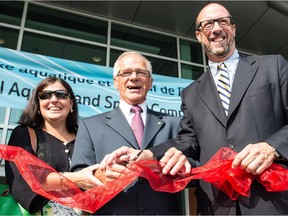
{"points": [[92, 84]]}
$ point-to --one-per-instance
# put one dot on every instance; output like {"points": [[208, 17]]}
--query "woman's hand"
{"points": [[111, 172], [84, 178]]}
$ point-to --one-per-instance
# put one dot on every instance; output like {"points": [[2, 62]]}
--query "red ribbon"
{"points": [[33, 169], [217, 171]]}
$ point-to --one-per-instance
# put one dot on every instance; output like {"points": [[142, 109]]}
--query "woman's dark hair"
{"points": [[31, 117]]}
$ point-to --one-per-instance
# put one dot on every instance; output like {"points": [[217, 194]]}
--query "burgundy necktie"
{"points": [[137, 124]]}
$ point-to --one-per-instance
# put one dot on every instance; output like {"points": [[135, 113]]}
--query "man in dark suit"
{"points": [[101, 134], [249, 115], [255, 125]]}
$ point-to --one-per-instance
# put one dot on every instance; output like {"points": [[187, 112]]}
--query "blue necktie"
{"points": [[137, 124], [223, 87]]}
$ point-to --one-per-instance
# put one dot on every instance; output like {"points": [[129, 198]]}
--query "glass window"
{"points": [[67, 24], [114, 54], [2, 115], [8, 38], [143, 41], [2, 139], [1, 134], [164, 67], [9, 131], [11, 12], [15, 116], [159, 66], [65, 49], [191, 52], [191, 72]]}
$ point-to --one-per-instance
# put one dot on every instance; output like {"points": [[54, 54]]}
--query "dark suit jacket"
{"points": [[258, 112], [101, 134]]}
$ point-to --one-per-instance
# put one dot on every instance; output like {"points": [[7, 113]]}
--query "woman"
{"points": [[52, 112]]}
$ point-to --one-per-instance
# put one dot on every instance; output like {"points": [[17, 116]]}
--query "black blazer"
{"points": [[258, 112]]}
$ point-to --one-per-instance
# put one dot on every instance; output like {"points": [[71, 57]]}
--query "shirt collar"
{"points": [[125, 107], [229, 63]]}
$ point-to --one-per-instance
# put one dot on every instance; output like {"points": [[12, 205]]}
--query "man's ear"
{"points": [[234, 30], [151, 83], [198, 35], [115, 83]]}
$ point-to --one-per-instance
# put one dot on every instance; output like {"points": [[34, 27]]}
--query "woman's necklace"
{"points": [[65, 143], [67, 152]]}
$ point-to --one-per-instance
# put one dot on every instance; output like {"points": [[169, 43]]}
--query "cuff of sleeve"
{"points": [[277, 154]]}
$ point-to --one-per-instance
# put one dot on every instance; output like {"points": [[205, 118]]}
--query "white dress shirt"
{"points": [[125, 108], [231, 63]]}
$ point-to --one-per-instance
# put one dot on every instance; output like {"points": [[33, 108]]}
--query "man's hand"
{"points": [[255, 158], [123, 156], [173, 161]]}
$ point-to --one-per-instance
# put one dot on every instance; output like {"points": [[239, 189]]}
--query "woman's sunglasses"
{"points": [[60, 94]]}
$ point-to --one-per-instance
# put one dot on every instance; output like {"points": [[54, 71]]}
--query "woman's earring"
{"points": [[71, 110], [39, 113]]}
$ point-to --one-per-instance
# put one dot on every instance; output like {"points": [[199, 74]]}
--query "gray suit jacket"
{"points": [[258, 112], [101, 134]]}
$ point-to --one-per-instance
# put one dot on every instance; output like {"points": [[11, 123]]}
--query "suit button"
{"points": [[143, 209], [140, 180], [231, 146]]}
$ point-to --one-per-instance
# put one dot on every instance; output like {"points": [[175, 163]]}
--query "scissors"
{"points": [[135, 158]]}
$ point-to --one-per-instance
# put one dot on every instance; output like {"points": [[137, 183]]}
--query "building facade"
{"points": [[50, 30], [57, 32]]}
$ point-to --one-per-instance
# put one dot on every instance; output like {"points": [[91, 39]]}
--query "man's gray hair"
{"points": [[116, 64]]}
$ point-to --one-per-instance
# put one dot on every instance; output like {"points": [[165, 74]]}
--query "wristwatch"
{"points": [[277, 154]]}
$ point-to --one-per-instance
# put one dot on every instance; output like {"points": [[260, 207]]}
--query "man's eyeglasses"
{"points": [[129, 72], [209, 24], [60, 94]]}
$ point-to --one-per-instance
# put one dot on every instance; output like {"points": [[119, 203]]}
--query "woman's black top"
{"points": [[49, 149]]}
